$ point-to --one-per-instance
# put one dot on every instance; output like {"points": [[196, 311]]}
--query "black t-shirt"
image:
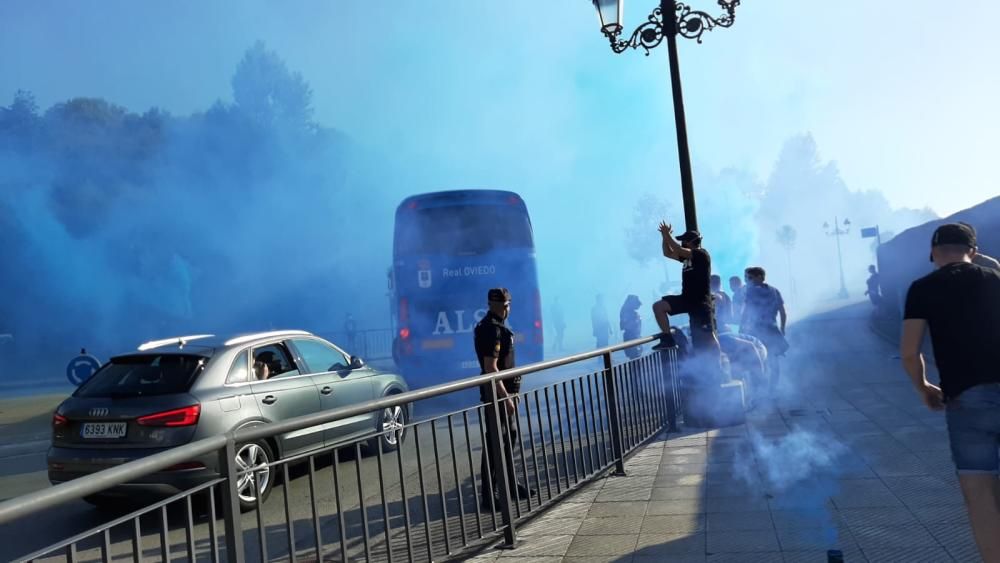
{"points": [[961, 304], [695, 286], [495, 340]]}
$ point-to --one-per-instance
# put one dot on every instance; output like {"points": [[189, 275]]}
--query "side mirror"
{"points": [[357, 363]]}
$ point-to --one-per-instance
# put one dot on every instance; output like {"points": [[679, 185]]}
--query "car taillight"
{"points": [[59, 421], [177, 417]]}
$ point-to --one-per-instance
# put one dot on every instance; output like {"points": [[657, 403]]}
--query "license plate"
{"points": [[104, 430]]}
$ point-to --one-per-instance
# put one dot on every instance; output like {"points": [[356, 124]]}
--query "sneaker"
{"points": [[666, 342], [525, 492]]}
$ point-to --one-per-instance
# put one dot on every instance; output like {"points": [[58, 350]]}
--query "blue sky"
{"points": [[898, 93]]}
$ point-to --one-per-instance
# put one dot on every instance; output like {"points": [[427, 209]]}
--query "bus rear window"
{"points": [[462, 230], [144, 375]]}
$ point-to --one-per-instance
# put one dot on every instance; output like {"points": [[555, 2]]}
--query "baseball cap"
{"points": [[961, 234], [498, 295], [689, 236]]}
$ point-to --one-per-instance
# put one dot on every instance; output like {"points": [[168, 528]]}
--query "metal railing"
{"points": [[420, 502], [370, 344]]}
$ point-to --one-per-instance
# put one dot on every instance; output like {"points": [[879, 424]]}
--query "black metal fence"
{"points": [[416, 500], [370, 344]]}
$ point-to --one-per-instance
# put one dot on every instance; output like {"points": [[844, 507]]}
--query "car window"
{"points": [[272, 360], [240, 371], [144, 375], [320, 357]]}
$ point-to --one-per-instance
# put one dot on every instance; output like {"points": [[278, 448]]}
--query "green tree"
{"points": [[266, 91]]}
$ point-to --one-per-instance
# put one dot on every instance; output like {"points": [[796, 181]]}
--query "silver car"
{"points": [[177, 390]]}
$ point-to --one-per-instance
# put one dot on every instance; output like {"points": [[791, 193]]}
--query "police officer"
{"points": [[495, 351]]}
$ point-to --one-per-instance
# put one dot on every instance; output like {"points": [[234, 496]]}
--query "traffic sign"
{"points": [[81, 368]]}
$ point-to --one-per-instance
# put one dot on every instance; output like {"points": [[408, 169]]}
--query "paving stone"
{"points": [[805, 539], [670, 545], [599, 559], [853, 555], [571, 510], [677, 493], [548, 526], [878, 516], [614, 525], [908, 555], [664, 507], [759, 557], [688, 459], [956, 539], [893, 537], [629, 482], [679, 480], [926, 489], [734, 488], [742, 541], [863, 493], [539, 546], [681, 469], [612, 509], [602, 545], [736, 504], [624, 495], [670, 524], [824, 518], [940, 514], [739, 521]]}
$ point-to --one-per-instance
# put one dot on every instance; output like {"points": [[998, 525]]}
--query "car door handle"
{"points": [[269, 400], [326, 390]]}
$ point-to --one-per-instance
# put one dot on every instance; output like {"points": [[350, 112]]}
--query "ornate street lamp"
{"points": [[666, 22], [837, 231]]}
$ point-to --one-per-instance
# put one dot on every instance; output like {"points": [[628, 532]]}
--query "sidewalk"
{"points": [[849, 459]]}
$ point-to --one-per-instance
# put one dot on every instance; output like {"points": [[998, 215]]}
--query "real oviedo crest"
{"points": [[424, 274]]}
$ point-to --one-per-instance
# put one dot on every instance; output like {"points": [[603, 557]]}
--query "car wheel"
{"points": [[253, 473], [391, 428]]}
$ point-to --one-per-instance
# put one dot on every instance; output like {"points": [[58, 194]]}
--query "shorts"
{"points": [[974, 429], [680, 305]]}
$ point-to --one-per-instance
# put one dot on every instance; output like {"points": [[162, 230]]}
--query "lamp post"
{"points": [[836, 231], [669, 20]]}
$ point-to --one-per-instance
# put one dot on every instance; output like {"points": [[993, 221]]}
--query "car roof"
{"points": [[207, 344]]}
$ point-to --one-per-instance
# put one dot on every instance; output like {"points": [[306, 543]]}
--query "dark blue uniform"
{"points": [[494, 339]]}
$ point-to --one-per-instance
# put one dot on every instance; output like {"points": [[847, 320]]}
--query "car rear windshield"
{"points": [[462, 230], [143, 376]]}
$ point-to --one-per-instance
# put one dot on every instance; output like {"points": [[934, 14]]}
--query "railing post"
{"points": [[500, 473], [231, 514], [616, 427], [669, 371]]}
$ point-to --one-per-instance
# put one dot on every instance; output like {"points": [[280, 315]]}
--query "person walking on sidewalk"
{"points": [[631, 324], [599, 321], [494, 342], [959, 303]]}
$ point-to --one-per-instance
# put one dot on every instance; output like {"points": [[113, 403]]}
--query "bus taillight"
{"points": [[404, 311], [404, 333], [539, 334]]}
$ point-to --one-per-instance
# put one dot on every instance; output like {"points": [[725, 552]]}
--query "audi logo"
{"points": [[99, 412]]}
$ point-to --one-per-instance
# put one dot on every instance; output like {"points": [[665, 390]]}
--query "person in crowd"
{"points": [[599, 321], [695, 299], [494, 343], [723, 305], [874, 291], [736, 286], [630, 324], [763, 309], [959, 303], [351, 330], [558, 325]]}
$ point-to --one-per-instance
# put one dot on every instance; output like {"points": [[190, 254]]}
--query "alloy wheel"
{"points": [[251, 462], [392, 424]]}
